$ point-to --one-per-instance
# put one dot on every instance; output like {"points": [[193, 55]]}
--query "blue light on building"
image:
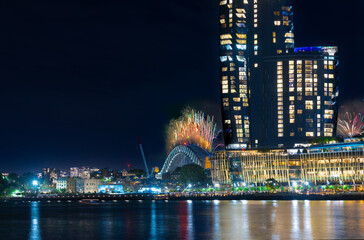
{"points": [[153, 190], [111, 189]]}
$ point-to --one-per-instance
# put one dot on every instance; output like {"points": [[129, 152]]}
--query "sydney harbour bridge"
{"points": [[184, 154]]}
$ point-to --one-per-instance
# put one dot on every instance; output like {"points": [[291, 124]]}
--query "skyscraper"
{"points": [[251, 33], [249, 30], [234, 74], [299, 96]]}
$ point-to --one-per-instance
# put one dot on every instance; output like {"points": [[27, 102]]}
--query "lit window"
{"points": [[309, 105], [239, 35], [241, 41], [224, 42], [225, 36], [309, 134]]}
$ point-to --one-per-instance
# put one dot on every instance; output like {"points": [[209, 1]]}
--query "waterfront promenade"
{"points": [[192, 196]]}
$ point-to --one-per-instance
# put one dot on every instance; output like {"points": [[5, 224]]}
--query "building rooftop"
{"points": [[346, 146], [331, 50]]}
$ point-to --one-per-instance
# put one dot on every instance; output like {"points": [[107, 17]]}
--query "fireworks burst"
{"points": [[192, 127], [351, 125]]}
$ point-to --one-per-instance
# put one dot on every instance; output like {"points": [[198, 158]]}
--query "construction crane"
{"points": [[142, 152]]}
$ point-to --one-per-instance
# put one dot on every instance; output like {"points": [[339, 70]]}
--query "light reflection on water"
{"points": [[34, 222], [184, 220]]}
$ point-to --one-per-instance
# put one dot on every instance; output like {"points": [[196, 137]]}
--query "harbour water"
{"points": [[183, 220]]}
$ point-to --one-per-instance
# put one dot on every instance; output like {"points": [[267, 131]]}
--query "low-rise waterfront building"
{"points": [[317, 165], [61, 184], [111, 189], [75, 185], [91, 185]]}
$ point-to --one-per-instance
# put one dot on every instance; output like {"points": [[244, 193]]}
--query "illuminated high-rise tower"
{"points": [[234, 73], [249, 31], [299, 96], [254, 36]]}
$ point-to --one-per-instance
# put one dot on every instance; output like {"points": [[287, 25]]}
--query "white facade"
{"points": [[61, 184]]}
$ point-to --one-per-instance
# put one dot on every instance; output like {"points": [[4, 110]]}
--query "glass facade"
{"points": [[249, 30], [234, 73], [299, 103], [272, 94]]}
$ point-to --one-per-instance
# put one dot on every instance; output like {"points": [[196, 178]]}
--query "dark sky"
{"points": [[81, 79]]}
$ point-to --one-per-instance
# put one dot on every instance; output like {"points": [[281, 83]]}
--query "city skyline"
{"points": [[70, 94]]}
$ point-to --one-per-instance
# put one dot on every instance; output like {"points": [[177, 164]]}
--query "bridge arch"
{"points": [[182, 155]]}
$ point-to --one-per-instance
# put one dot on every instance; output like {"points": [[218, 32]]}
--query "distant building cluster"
{"points": [[78, 179], [86, 180]]}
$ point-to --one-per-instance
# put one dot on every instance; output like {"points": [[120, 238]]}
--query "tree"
{"points": [[325, 140], [13, 177], [177, 170], [96, 175], [137, 172], [3, 184], [46, 181], [271, 184], [27, 179], [193, 174]]}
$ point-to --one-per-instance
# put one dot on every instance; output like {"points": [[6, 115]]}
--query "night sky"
{"points": [[81, 79]]}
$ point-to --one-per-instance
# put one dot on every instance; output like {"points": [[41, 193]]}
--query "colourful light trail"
{"points": [[192, 127], [351, 125]]}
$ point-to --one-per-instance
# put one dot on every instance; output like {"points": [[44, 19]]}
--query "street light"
{"points": [[35, 183]]}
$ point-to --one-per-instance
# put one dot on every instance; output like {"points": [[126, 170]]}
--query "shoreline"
{"points": [[161, 197]]}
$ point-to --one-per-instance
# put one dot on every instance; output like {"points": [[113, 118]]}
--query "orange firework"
{"points": [[192, 127]]}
